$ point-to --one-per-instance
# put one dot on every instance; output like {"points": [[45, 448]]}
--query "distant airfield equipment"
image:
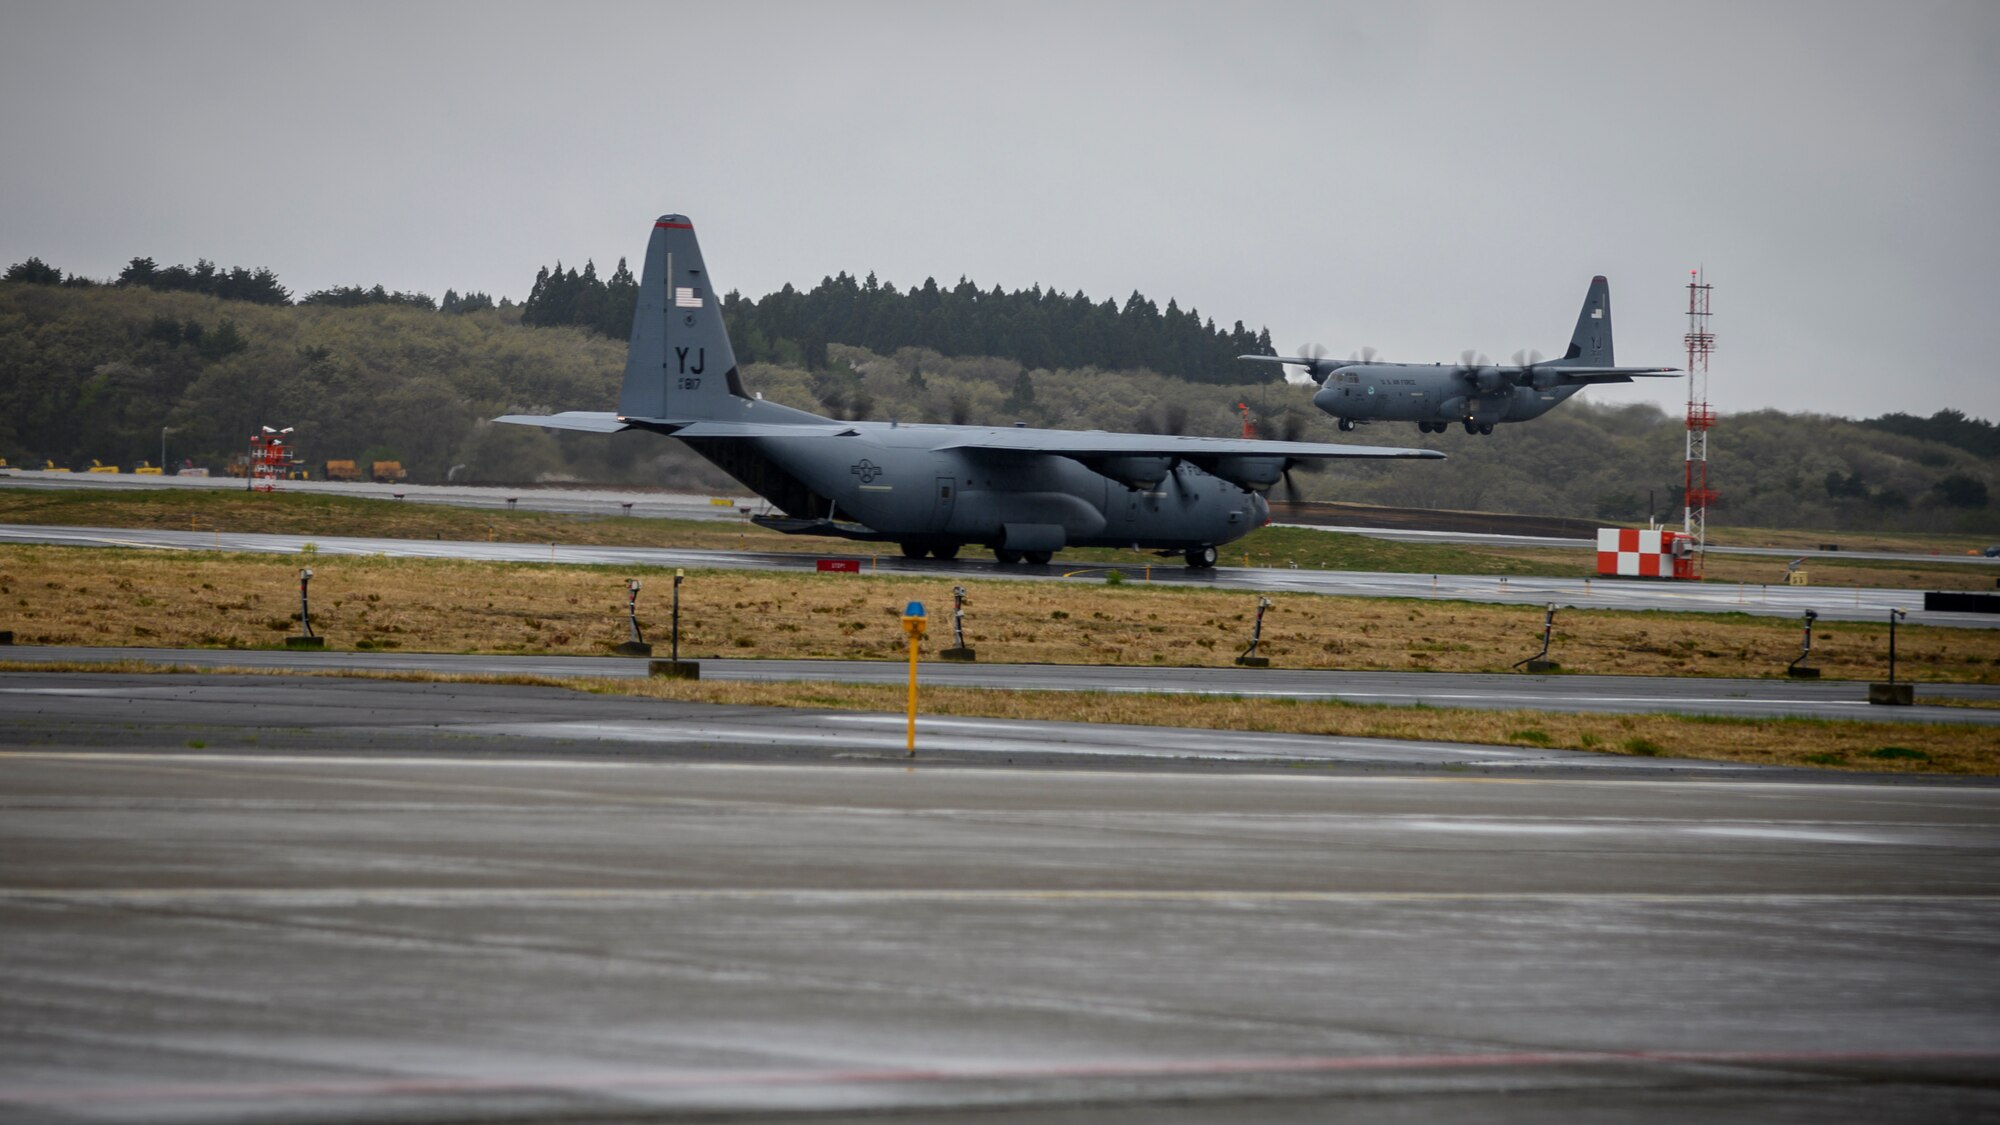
{"points": [[1025, 493], [1700, 419], [1625, 552], [1475, 391], [269, 461]]}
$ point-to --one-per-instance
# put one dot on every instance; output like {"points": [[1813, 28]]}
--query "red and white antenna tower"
{"points": [[1700, 418]]}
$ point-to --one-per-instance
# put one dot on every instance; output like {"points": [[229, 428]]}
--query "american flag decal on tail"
{"points": [[687, 297]]}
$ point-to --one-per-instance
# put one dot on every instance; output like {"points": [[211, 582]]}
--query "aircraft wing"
{"points": [[607, 423], [1300, 361], [1094, 443], [589, 421], [763, 429], [1607, 374]]}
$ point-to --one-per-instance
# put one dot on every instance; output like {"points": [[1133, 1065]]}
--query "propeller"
{"points": [[1312, 357], [961, 410], [1293, 428], [1365, 355], [1172, 420], [1526, 360], [1480, 372]]}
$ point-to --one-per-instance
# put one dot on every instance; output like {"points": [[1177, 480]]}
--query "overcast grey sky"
{"points": [[1420, 177]]}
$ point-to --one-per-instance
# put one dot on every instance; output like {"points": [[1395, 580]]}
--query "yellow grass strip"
{"points": [[67, 595]]}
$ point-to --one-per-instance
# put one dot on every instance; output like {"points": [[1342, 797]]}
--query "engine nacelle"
{"points": [[1143, 473], [1252, 473], [1490, 380]]}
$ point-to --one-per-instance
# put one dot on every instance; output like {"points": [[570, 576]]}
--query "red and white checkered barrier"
{"points": [[1627, 553]]}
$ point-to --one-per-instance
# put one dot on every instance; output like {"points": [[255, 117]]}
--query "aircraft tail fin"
{"points": [[680, 366], [1590, 344]]}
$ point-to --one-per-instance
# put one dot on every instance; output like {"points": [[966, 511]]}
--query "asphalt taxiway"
{"points": [[281, 899], [1844, 604], [1738, 698]]}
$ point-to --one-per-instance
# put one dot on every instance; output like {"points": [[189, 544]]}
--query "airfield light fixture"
{"points": [[1797, 668], [1895, 615], [679, 576], [305, 603], [632, 610]]}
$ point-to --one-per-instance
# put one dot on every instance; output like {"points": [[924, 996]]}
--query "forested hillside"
{"points": [[96, 371]]}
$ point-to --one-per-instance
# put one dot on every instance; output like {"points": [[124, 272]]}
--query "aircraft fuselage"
{"points": [[891, 480], [1437, 393]]}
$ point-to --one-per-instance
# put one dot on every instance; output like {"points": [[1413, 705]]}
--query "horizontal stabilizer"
{"points": [[590, 421]]}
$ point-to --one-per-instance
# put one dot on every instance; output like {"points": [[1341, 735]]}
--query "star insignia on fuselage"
{"points": [[867, 470]]}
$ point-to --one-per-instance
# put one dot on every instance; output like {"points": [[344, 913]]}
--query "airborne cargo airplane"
{"points": [[1473, 391], [932, 489]]}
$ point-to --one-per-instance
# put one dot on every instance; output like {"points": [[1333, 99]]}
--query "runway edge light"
{"points": [[675, 668]]}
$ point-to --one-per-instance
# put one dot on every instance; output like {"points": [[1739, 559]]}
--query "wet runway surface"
{"points": [[1844, 604], [1817, 699], [278, 899], [317, 899]]}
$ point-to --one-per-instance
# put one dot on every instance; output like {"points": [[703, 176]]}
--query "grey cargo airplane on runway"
{"points": [[1473, 391], [932, 489]]}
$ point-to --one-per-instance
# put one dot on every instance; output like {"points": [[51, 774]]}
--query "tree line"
{"points": [[1035, 327], [258, 286]]}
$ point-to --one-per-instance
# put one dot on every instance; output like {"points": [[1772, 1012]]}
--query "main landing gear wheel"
{"points": [[915, 550], [1201, 558], [1006, 556], [1038, 558], [1486, 429], [945, 551]]}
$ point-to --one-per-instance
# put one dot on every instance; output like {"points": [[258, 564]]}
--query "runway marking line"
{"points": [[1289, 779], [1122, 1069], [475, 895]]}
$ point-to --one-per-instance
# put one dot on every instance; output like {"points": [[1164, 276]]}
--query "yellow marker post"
{"points": [[913, 625]]}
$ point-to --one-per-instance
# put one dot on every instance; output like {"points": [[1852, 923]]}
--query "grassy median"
{"points": [[66, 595]]}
